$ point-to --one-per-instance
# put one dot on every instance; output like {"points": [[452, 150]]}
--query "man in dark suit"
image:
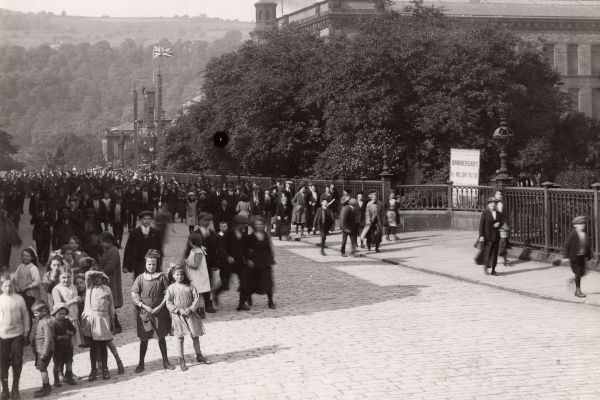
{"points": [[324, 221], [489, 234], [347, 222], [141, 239], [63, 229], [131, 201], [256, 201]]}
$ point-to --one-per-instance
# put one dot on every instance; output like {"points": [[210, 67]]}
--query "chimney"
{"points": [[158, 105], [135, 126]]}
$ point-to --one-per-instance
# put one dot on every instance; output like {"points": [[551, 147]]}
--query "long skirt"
{"points": [[283, 228], [260, 280]]}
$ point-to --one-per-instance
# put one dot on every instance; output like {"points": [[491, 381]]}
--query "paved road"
{"points": [[359, 328]]}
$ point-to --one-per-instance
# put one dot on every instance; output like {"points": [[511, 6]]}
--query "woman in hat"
{"points": [[578, 250], [191, 211], [260, 261], [489, 234], [110, 263], [153, 319]]}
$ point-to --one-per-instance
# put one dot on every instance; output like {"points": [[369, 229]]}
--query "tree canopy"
{"points": [[7, 150], [411, 85]]}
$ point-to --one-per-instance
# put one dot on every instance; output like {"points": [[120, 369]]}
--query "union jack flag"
{"points": [[159, 51]]}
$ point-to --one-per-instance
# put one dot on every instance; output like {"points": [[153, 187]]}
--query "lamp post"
{"points": [[502, 135], [122, 149], [362, 182]]}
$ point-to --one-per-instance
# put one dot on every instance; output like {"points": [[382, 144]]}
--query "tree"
{"points": [[7, 150], [411, 86]]}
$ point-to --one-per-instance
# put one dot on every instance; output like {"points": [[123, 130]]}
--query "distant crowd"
{"points": [[67, 289]]}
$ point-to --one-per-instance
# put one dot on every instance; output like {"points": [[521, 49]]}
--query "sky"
{"points": [[227, 9]]}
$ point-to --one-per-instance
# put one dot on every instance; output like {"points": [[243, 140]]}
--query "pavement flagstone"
{"points": [[365, 329]]}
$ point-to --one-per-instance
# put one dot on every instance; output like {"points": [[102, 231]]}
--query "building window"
{"points": [[574, 94], [596, 103], [596, 60], [548, 53], [572, 59], [260, 15]]}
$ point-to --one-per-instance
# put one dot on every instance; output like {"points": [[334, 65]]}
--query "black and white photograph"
{"points": [[300, 199]]}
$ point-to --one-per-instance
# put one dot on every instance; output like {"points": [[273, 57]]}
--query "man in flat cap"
{"points": [[489, 225], [141, 239], [578, 250]]}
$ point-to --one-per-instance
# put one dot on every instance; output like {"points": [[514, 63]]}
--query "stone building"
{"points": [[140, 134], [570, 30]]}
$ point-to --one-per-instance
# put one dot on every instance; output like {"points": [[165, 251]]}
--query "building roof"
{"points": [[578, 9], [127, 126]]}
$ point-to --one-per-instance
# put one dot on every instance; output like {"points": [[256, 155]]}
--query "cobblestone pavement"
{"points": [[358, 328]]}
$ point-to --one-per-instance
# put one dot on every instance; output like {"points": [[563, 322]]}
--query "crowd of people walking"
{"points": [[67, 290]]}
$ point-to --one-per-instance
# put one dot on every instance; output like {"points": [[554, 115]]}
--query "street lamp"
{"points": [[122, 149], [362, 182], [502, 135]]}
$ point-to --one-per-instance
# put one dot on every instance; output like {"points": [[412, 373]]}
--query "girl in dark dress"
{"points": [[260, 260], [152, 316]]}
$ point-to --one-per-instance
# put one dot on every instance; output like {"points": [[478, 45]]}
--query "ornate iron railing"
{"points": [[265, 182]]}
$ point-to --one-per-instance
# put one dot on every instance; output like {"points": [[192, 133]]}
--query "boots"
{"points": [[57, 380], [93, 375], [69, 378], [118, 328], [201, 359], [5, 393], [578, 293], [182, 364], [120, 367], [105, 374], [14, 394], [167, 364], [43, 392]]}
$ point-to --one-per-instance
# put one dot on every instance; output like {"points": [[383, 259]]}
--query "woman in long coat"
{"points": [[152, 316], [260, 261], [283, 213], [110, 263], [299, 213]]}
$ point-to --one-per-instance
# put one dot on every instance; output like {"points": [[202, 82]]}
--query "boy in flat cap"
{"points": [[578, 250]]}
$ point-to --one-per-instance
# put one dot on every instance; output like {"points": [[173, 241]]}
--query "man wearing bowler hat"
{"points": [[489, 224], [141, 239]]}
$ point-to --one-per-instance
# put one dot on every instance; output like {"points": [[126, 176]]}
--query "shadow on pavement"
{"points": [[522, 271], [305, 287]]}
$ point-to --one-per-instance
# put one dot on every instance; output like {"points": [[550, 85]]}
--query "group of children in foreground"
{"points": [[84, 316]]}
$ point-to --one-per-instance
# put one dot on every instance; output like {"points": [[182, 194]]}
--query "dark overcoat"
{"points": [[134, 257]]}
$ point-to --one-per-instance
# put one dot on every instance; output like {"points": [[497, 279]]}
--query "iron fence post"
{"points": [[596, 187], [449, 183], [547, 185]]}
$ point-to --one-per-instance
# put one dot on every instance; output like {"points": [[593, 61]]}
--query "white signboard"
{"points": [[464, 167]]}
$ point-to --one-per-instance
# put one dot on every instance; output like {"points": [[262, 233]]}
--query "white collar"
{"points": [[145, 230], [151, 277]]}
